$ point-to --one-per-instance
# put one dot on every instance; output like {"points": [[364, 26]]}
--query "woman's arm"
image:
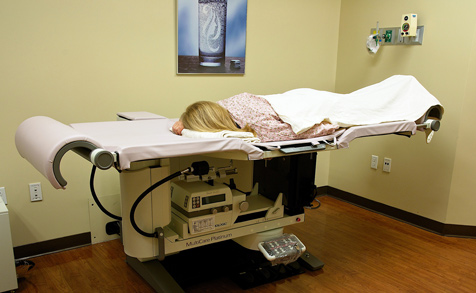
{"points": [[177, 127]]}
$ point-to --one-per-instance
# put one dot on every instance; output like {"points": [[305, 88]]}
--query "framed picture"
{"points": [[211, 36]]}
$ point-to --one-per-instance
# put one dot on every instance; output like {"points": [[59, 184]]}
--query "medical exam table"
{"points": [[199, 207], [183, 219]]}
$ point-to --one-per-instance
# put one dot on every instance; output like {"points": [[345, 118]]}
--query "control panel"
{"points": [[198, 196], [409, 25]]}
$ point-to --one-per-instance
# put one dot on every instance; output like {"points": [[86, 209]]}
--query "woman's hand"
{"points": [[177, 127]]}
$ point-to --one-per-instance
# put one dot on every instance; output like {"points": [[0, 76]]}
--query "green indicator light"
{"points": [[388, 36]]}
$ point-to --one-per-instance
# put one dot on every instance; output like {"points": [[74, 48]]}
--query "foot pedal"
{"points": [[282, 250], [310, 262]]}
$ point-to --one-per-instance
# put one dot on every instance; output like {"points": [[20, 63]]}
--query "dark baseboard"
{"points": [[401, 215], [53, 245], [83, 239]]}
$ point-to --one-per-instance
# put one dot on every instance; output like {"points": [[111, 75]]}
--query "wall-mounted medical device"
{"points": [[409, 25], [409, 33]]}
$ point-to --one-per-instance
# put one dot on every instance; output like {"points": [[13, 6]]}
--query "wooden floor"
{"points": [[362, 251]]}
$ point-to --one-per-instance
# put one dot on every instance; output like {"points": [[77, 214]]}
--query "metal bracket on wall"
{"points": [[392, 36]]}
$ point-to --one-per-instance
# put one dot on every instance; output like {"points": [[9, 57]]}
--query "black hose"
{"points": [[93, 193], [141, 197], [197, 168]]}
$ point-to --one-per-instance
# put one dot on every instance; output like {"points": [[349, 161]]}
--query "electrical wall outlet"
{"points": [[374, 162], [387, 164], [35, 192], [3, 195]]}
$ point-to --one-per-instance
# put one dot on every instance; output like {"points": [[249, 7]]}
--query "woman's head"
{"points": [[208, 117]]}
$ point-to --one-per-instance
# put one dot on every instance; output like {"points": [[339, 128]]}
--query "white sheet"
{"points": [[245, 136], [398, 98]]}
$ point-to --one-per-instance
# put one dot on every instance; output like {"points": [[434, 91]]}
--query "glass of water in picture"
{"points": [[212, 32]]}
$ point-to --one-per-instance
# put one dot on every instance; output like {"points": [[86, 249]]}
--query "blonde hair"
{"points": [[208, 116]]}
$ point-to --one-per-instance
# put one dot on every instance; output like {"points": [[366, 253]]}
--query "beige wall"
{"points": [[80, 61], [462, 202], [435, 180]]}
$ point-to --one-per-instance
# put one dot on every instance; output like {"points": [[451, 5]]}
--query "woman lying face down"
{"points": [[207, 116], [244, 112]]}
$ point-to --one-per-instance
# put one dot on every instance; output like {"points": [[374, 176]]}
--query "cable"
{"points": [[310, 206], [25, 262], [141, 197], [232, 185], [197, 168], [93, 193]]}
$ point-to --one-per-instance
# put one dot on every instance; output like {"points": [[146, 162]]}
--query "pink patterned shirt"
{"points": [[258, 113]]}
